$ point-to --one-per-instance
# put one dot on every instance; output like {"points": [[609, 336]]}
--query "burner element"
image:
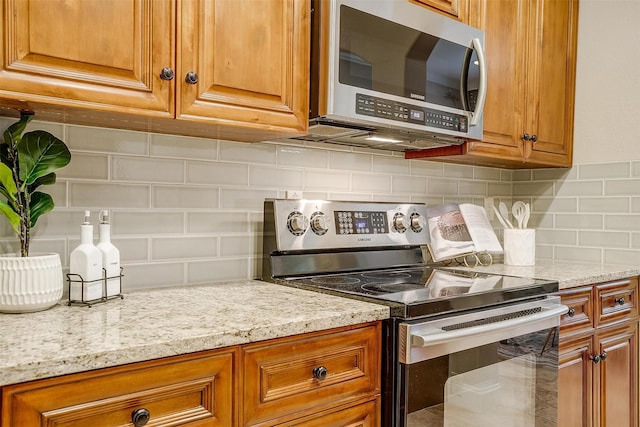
{"points": [[385, 288], [386, 275]]}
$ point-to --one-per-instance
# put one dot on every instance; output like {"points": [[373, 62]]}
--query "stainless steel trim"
{"points": [[430, 339]]}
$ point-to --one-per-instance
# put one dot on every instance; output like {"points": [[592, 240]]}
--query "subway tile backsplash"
{"points": [[188, 211]]}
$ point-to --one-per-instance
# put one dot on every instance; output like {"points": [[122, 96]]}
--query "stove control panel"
{"points": [[326, 225]]}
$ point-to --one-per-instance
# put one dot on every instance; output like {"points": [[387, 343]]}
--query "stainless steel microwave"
{"points": [[391, 74]]}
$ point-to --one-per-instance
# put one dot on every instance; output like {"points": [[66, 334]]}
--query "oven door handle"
{"points": [[506, 327]]}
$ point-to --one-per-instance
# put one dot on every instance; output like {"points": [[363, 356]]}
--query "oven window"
{"points": [[387, 57], [508, 383]]}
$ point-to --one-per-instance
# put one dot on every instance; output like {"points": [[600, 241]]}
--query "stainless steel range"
{"points": [[460, 348]]}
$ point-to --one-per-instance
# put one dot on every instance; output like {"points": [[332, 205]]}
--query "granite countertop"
{"points": [[165, 322], [568, 274]]}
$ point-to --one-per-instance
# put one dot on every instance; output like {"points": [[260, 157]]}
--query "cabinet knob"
{"points": [[619, 301], [191, 78], [595, 359], [603, 356], [534, 138], [571, 312], [140, 417], [167, 74], [320, 372], [526, 137]]}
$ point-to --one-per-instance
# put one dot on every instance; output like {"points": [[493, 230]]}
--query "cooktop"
{"points": [[420, 291]]}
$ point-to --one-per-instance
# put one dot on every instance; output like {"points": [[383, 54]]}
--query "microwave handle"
{"points": [[482, 88]]}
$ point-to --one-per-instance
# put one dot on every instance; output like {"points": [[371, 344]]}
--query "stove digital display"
{"points": [[360, 222]]}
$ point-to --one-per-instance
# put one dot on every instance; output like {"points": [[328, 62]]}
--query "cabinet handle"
{"points": [[526, 137], [140, 417], [167, 74], [320, 372], [571, 312], [534, 138], [620, 301], [599, 357], [191, 78]]}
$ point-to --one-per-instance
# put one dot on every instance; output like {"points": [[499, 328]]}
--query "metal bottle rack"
{"points": [[78, 280]]}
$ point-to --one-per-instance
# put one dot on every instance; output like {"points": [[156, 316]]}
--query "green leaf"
{"points": [[14, 218], [40, 153], [13, 132], [7, 182], [41, 203], [43, 180]]}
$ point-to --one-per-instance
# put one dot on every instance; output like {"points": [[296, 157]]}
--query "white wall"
{"points": [[607, 82]]}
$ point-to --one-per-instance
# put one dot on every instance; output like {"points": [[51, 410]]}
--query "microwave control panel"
{"points": [[386, 109]]}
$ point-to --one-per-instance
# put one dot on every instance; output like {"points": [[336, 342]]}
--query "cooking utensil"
{"points": [[499, 216], [527, 214], [518, 210], [505, 214]]}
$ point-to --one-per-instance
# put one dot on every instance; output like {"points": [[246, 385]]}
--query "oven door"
{"points": [[493, 367]]}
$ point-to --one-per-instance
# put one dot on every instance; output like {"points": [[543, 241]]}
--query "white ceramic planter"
{"points": [[30, 283]]}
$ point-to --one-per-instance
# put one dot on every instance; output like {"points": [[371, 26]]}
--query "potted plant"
{"points": [[28, 161]]}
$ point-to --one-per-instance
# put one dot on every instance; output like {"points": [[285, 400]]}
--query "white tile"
{"points": [[132, 249], [218, 270], [107, 140], [302, 157], [371, 182], [179, 247], [426, 168], [218, 222], [603, 204], [261, 176], [621, 187], [442, 186], [578, 188], [604, 170], [144, 222], [93, 195], [237, 246], [183, 147], [247, 153], [245, 199], [409, 185], [182, 197], [146, 169], [458, 171], [86, 166], [217, 173], [152, 275], [326, 181], [350, 161], [604, 239], [392, 165]]}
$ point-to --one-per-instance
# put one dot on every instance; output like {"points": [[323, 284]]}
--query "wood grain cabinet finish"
{"points": [[293, 377], [599, 364], [276, 382], [456, 9], [218, 68], [530, 46], [192, 390]]}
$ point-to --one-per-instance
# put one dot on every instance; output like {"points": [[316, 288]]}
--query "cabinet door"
{"points": [[575, 383], [194, 390], [251, 60], [551, 73], [85, 53], [505, 26], [617, 382], [363, 415], [456, 9]]}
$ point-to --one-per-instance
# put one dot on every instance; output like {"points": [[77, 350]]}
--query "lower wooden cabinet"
{"points": [[599, 364], [327, 378], [191, 390]]}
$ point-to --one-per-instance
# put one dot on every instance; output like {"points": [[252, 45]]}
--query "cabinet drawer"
{"points": [[580, 315], [289, 376], [185, 390], [363, 415], [616, 301]]}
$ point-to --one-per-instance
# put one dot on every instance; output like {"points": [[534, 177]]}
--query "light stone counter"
{"points": [[568, 274], [167, 322]]}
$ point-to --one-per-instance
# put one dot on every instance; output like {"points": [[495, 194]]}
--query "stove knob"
{"points": [[418, 223], [319, 223], [297, 223], [399, 223]]}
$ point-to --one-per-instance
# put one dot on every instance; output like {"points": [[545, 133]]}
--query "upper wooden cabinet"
{"points": [[530, 46], [239, 67], [456, 9]]}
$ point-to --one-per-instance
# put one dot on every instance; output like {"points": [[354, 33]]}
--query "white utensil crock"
{"points": [[520, 246]]}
